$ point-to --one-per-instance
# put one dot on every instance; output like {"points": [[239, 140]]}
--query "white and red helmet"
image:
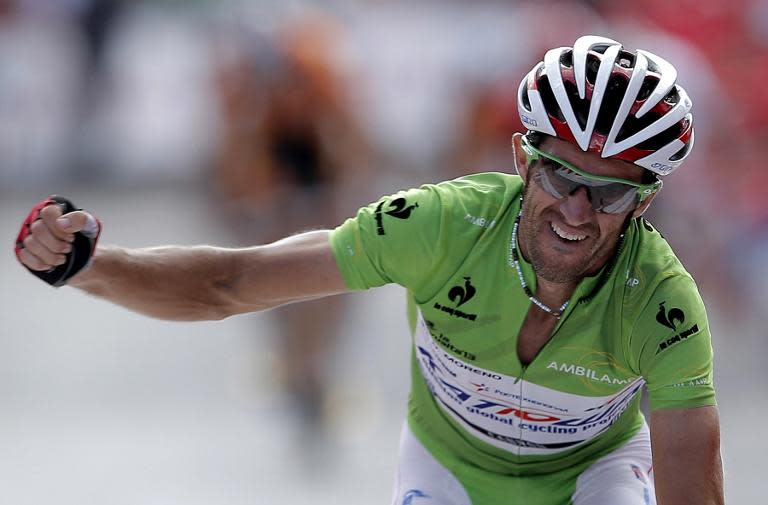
{"points": [[608, 100]]}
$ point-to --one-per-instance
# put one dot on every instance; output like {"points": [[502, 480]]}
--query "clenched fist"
{"points": [[57, 240]]}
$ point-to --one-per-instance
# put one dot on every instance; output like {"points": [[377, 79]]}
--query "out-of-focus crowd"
{"points": [[295, 113]]}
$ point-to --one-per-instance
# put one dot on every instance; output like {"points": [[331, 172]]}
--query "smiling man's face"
{"points": [[565, 239]]}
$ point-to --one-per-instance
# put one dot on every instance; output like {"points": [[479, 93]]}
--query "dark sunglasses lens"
{"points": [[610, 198], [614, 198], [557, 180], [553, 183]]}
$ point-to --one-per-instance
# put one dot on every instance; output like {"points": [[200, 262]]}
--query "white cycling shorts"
{"points": [[623, 477]]}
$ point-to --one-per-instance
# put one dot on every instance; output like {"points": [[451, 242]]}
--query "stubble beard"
{"points": [[546, 263]]}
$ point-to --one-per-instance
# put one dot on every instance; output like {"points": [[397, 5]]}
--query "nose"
{"points": [[576, 208]]}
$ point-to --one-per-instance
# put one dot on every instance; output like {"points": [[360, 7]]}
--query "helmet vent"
{"points": [[682, 152], [672, 97], [626, 60], [526, 101], [649, 84], [548, 98], [614, 94], [600, 48], [566, 59], [662, 139], [593, 65], [580, 107], [634, 124]]}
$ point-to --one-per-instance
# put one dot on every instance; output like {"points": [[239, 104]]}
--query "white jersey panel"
{"points": [[511, 413]]}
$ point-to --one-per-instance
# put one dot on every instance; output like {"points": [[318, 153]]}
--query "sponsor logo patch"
{"points": [[446, 342], [397, 208], [480, 221], [528, 120], [673, 319], [670, 319], [459, 295], [580, 371], [510, 413]]}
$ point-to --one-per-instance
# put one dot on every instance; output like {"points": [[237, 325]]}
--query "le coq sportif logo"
{"points": [[462, 294], [400, 209], [672, 318], [459, 295], [397, 208]]}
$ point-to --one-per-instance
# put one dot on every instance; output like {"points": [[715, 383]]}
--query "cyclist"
{"points": [[541, 303]]}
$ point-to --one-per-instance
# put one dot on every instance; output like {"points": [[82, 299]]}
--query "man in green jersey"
{"points": [[541, 303]]}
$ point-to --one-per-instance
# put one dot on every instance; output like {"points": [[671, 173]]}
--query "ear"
{"points": [[521, 160], [640, 210]]}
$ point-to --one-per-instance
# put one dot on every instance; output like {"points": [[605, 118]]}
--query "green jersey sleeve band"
{"points": [[351, 257]]}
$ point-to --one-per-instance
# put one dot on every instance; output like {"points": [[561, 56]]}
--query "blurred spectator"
{"points": [[151, 117], [97, 20], [288, 142], [489, 119], [489, 103], [418, 58], [40, 74]]}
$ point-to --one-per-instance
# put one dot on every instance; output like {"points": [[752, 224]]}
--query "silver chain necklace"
{"points": [[513, 260]]}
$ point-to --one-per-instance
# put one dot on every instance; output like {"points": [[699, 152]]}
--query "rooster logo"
{"points": [[399, 210], [462, 294], [671, 319]]}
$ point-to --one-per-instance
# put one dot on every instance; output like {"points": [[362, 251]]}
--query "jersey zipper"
{"points": [[524, 368]]}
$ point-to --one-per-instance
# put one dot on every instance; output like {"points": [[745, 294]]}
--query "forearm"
{"points": [[686, 457], [175, 283], [683, 485], [210, 283]]}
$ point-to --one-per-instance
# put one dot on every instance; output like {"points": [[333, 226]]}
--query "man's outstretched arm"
{"points": [[191, 283], [686, 456]]}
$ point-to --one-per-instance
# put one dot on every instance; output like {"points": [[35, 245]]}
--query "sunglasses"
{"points": [[609, 195]]}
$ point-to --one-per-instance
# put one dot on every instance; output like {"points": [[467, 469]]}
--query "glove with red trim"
{"points": [[83, 245]]}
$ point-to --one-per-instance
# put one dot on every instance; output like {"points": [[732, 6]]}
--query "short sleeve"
{"points": [[395, 240], [672, 342]]}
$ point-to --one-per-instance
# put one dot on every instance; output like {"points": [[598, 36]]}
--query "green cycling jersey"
{"points": [[638, 322]]}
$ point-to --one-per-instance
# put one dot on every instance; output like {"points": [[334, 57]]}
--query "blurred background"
{"points": [[238, 122]]}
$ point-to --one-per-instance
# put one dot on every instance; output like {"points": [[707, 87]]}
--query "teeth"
{"points": [[567, 236]]}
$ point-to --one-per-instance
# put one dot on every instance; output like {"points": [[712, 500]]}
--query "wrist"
{"points": [[88, 276]]}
